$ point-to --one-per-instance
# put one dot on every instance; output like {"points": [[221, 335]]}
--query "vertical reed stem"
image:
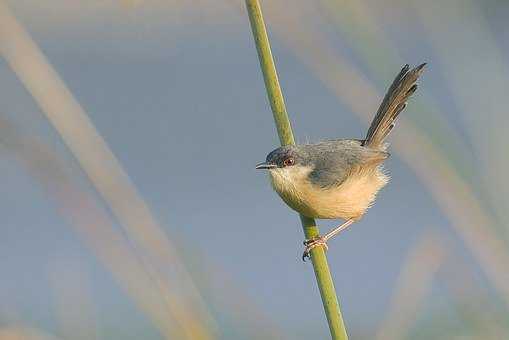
{"points": [[284, 129]]}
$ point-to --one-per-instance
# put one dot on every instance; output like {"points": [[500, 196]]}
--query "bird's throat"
{"points": [[290, 184]]}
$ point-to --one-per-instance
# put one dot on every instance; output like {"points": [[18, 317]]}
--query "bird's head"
{"points": [[289, 168], [285, 157]]}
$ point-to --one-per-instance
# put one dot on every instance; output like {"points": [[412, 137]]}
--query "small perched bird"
{"points": [[340, 178]]}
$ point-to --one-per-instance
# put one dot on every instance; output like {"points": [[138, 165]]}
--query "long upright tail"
{"points": [[394, 102]]}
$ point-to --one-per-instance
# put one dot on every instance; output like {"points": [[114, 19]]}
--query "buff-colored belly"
{"points": [[349, 200]]}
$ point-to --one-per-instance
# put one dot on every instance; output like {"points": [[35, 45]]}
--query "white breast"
{"points": [[348, 200]]}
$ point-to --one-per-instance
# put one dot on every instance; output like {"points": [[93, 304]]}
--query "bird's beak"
{"points": [[265, 165]]}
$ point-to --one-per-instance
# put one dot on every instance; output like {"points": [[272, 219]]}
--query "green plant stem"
{"points": [[284, 129]]}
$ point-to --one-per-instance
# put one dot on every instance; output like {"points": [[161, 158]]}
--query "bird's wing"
{"points": [[332, 167]]}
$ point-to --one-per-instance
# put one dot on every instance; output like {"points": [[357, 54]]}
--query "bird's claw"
{"points": [[310, 244]]}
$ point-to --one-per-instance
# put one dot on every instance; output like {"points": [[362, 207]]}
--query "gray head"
{"points": [[285, 156]]}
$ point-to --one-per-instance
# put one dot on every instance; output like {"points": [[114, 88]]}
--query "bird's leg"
{"points": [[322, 240]]}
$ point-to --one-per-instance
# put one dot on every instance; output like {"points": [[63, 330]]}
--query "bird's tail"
{"points": [[394, 102]]}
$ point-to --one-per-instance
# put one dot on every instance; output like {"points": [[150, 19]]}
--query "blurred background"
{"points": [[131, 209]]}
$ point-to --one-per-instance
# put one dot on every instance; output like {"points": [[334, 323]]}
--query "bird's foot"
{"points": [[312, 243]]}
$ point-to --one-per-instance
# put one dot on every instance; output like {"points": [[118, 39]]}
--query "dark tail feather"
{"points": [[394, 102]]}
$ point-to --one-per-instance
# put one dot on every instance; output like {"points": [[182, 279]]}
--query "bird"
{"points": [[340, 178]]}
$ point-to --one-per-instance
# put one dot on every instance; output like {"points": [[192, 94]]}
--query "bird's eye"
{"points": [[289, 161]]}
